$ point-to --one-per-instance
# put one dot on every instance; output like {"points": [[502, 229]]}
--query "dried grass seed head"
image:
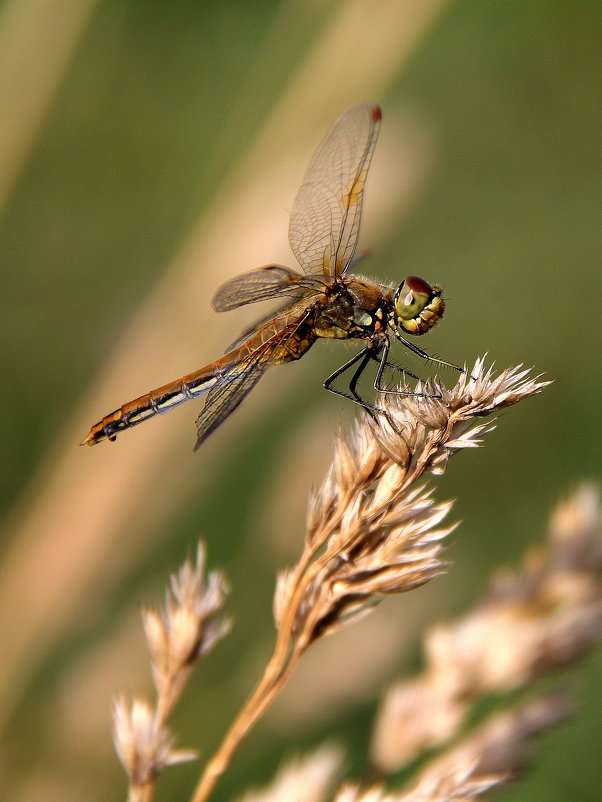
{"points": [[144, 746], [440, 413], [386, 541], [533, 621], [460, 786], [498, 749], [309, 777], [190, 622]]}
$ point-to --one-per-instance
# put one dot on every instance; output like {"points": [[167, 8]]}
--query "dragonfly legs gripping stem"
{"points": [[384, 363], [378, 352], [363, 357], [429, 358]]}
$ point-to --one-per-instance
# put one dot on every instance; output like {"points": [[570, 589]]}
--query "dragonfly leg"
{"points": [[419, 352], [384, 363], [399, 369], [363, 357], [371, 410]]}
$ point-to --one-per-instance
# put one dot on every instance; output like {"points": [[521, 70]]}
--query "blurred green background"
{"points": [[150, 139]]}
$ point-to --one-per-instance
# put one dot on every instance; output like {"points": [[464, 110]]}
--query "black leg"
{"points": [[363, 357], [371, 410], [426, 356], [356, 377], [383, 363], [405, 371]]}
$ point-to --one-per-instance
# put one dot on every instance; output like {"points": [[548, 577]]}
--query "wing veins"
{"points": [[231, 390], [326, 214], [261, 284]]}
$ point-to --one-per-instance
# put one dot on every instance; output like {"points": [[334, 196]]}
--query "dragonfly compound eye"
{"points": [[418, 306]]}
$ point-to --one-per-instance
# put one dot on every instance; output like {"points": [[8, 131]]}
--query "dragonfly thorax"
{"points": [[417, 305]]}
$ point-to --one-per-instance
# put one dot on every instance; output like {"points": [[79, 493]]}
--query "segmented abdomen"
{"points": [[160, 400]]}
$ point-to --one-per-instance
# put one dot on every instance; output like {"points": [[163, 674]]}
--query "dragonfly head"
{"points": [[418, 306]]}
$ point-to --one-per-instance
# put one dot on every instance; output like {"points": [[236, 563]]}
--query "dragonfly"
{"points": [[324, 301]]}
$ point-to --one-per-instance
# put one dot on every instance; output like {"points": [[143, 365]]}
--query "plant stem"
{"points": [[276, 673]]}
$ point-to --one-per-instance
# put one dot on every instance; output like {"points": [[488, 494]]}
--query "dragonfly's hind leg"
{"points": [[363, 357], [370, 409]]}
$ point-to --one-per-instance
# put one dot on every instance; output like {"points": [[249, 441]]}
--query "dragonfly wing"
{"points": [[267, 322], [325, 219], [261, 284], [223, 399], [232, 387]]}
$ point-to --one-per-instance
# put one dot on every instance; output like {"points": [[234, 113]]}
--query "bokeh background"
{"points": [[148, 151]]}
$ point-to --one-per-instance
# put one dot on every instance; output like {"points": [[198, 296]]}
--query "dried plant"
{"points": [[483, 761], [558, 593], [372, 528], [490, 756], [530, 623], [178, 637], [314, 773], [144, 745]]}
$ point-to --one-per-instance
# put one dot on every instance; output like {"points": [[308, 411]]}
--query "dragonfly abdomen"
{"points": [[155, 402]]}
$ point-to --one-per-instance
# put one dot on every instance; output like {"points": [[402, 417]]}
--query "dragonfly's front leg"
{"points": [[384, 363], [436, 360]]}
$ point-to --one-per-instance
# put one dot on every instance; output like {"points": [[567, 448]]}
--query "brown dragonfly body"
{"points": [[325, 301]]}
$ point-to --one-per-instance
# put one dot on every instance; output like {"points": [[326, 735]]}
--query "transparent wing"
{"points": [[238, 382], [265, 323], [223, 399], [326, 214], [261, 284]]}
